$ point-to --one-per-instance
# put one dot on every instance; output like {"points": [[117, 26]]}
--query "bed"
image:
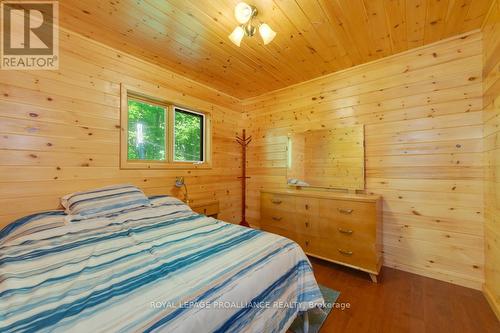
{"points": [[159, 267]]}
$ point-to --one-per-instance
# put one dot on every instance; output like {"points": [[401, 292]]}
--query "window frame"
{"points": [[169, 162]]}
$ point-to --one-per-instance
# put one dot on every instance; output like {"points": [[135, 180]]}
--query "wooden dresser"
{"points": [[338, 227]]}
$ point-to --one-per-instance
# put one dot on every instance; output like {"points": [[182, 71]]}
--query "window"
{"points": [[188, 136], [158, 135], [146, 131]]}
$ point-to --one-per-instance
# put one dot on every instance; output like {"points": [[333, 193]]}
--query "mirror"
{"points": [[333, 158]]}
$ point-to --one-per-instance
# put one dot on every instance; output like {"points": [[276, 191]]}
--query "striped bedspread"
{"points": [[161, 268]]}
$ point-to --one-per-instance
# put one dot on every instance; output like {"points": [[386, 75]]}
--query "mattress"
{"points": [[161, 268]]}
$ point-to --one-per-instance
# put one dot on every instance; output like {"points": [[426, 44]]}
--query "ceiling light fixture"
{"points": [[244, 14]]}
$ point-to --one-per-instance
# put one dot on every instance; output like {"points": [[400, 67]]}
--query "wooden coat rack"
{"points": [[244, 142]]}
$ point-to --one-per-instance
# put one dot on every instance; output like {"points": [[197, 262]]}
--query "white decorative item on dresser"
{"points": [[339, 227]]}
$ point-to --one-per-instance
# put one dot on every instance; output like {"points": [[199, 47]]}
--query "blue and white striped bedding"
{"points": [[33, 223], [161, 268]]}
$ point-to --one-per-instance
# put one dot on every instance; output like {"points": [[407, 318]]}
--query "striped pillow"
{"points": [[103, 201], [167, 200], [32, 223]]}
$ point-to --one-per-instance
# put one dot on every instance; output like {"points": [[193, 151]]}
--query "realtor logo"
{"points": [[30, 35]]}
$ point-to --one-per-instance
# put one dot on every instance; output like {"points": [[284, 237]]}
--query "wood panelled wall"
{"points": [[422, 111], [59, 131], [491, 101]]}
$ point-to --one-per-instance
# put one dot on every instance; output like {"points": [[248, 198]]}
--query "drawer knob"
{"points": [[345, 252], [345, 231], [277, 218], [307, 207], [307, 224], [276, 201], [345, 211]]}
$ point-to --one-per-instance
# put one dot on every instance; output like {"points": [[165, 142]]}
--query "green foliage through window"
{"points": [[188, 131], [146, 131]]}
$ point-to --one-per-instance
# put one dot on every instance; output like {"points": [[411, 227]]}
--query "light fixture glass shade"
{"points": [[243, 12], [237, 35], [266, 33]]}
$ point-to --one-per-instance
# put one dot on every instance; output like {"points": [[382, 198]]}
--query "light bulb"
{"points": [[237, 35], [243, 12], [266, 33]]}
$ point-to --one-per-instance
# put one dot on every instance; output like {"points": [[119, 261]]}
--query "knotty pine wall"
{"points": [[422, 111], [59, 131], [491, 101]]}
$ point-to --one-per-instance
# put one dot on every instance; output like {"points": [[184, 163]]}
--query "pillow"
{"points": [[103, 201], [166, 200], [33, 223]]}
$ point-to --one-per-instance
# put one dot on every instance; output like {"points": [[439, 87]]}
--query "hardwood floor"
{"points": [[402, 302]]}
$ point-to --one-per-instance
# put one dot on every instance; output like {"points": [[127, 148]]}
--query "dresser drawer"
{"points": [[277, 202], [307, 224], [310, 244], [309, 206], [348, 211], [278, 218], [364, 231], [352, 253]]}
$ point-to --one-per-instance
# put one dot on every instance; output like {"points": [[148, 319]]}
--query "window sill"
{"points": [[167, 165]]}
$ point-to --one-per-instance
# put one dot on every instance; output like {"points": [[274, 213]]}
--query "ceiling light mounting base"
{"points": [[249, 29]]}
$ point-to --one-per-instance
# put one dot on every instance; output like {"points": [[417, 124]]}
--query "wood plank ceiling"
{"points": [[315, 37]]}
